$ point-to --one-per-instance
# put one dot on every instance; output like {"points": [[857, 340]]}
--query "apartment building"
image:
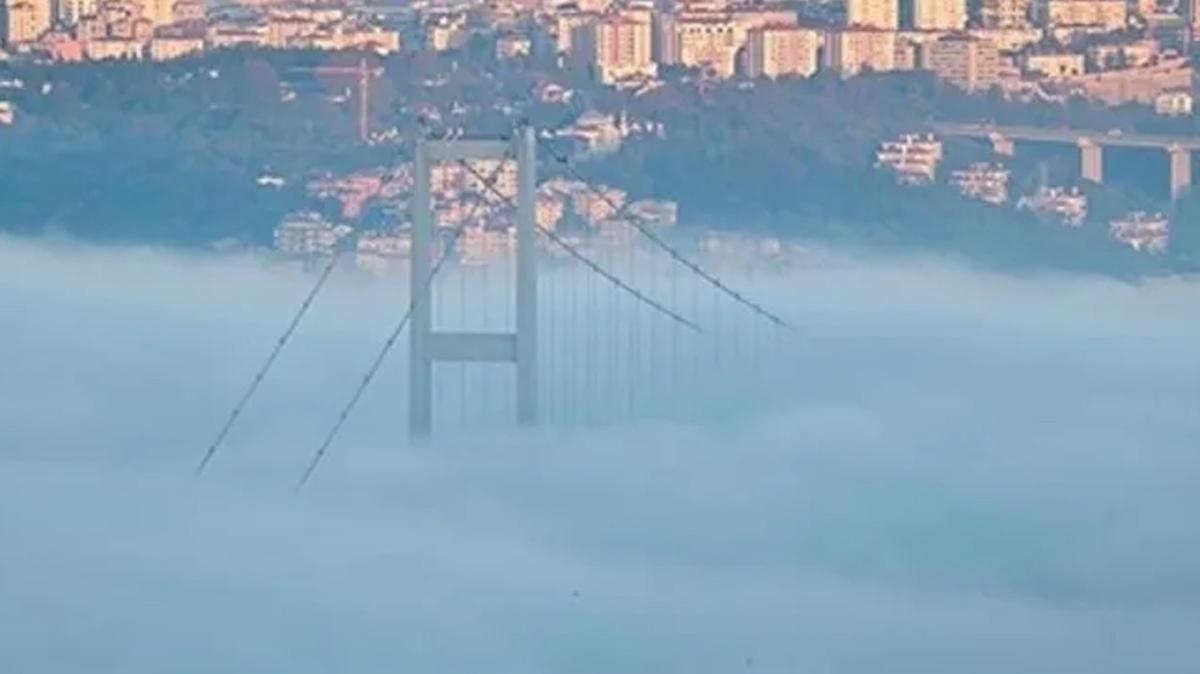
{"points": [[780, 51], [966, 62], [939, 14]]}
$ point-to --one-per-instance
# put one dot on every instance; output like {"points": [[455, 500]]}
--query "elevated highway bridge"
{"points": [[1091, 146]]}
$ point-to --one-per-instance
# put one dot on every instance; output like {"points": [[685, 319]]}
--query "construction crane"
{"points": [[363, 76]]}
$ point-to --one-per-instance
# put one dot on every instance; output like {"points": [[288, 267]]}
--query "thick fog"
{"points": [[938, 470]]}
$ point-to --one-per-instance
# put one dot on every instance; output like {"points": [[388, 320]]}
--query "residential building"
{"points": [[1068, 206], [1123, 55], [25, 20], [8, 113], [779, 51], [159, 12], [383, 252], [114, 49], [622, 49], [188, 10], [748, 18], [913, 158], [307, 233], [850, 51], [588, 204], [504, 183], [569, 28], [710, 38], [594, 6], [222, 35], [1144, 8], [548, 210], [708, 42], [908, 51], [1053, 66], [1008, 40], [966, 62], [62, 48], [983, 181], [513, 46], [167, 46], [881, 14], [1093, 15], [596, 132], [71, 12], [446, 33], [939, 14], [1175, 103], [1004, 13], [1142, 85], [1142, 231], [658, 212]]}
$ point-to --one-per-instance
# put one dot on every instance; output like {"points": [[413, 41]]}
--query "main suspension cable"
{"points": [[658, 241], [609, 276]]}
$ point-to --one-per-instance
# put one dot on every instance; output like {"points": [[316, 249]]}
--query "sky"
{"points": [[938, 470]]}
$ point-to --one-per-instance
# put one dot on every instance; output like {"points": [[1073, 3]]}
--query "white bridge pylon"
{"points": [[428, 346]]}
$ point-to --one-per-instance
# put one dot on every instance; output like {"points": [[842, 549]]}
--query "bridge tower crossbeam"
{"points": [[428, 346]]}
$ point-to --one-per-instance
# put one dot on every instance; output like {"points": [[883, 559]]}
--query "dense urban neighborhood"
{"points": [[1055, 132]]}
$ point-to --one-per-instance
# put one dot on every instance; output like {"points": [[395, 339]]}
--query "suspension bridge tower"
{"points": [[427, 345]]}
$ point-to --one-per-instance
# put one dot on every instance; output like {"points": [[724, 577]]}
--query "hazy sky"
{"points": [[939, 471]]}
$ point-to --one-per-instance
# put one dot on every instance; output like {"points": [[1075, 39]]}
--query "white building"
{"points": [[1142, 231], [939, 14], [69, 12], [657, 212], [1175, 103], [983, 181], [383, 252], [307, 233], [1067, 206], [913, 158]]}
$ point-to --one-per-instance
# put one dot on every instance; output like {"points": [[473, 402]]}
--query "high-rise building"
{"points": [[25, 20], [1004, 13], [883, 14], [623, 48], [850, 51], [569, 29], [159, 12], [777, 51], [1109, 15], [708, 41], [939, 14], [69, 12], [966, 62]]}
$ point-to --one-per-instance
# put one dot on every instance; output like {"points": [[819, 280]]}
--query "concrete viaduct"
{"points": [[1091, 146]]}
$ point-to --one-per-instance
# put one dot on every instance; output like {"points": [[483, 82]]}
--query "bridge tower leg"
{"points": [[1091, 161], [420, 365], [427, 346], [527, 393], [1181, 170]]}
